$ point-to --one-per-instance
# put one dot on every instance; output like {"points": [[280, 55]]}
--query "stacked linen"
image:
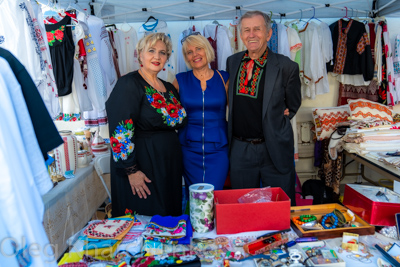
{"points": [[377, 139], [103, 239], [371, 128]]}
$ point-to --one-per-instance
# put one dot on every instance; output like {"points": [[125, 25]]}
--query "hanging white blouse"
{"points": [[81, 97], [311, 67], [237, 44], [49, 93], [169, 71], [223, 37], [326, 45], [17, 35], [378, 54], [119, 43], [130, 41], [96, 87], [104, 50], [294, 42], [283, 43], [180, 60], [396, 65], [21, 205]]}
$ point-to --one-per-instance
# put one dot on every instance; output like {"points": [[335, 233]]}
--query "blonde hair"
{"points": [[150, 40], [198, 41]]}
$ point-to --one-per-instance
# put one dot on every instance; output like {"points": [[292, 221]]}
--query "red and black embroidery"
{"points": [[248, 79]]}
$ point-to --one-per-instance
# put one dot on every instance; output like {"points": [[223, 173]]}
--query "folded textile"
{"points": [[132, 242], [115, 228], [173, 228]]}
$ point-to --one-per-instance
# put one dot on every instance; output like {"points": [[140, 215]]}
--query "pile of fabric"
{"points": [[103, 240]]}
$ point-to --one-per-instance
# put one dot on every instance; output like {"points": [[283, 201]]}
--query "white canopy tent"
{"points": [[118, 11]]}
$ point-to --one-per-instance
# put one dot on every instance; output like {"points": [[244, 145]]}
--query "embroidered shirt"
{"points": [[248, 97]]}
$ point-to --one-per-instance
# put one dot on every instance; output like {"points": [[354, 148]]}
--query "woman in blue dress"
{"points": [[202, 93]]}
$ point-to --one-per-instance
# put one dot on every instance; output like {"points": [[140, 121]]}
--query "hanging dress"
{"points": [[59, 36], [142, 126]]}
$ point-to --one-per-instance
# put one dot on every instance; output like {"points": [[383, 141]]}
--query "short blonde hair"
{"points": [[198, 41], [150, 40]]}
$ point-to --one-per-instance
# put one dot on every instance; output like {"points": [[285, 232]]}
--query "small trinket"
{"points": [[274, 256], [221, 240]]}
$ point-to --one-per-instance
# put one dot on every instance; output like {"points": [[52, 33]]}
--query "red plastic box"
{"points": [[233, 217], [360, 199]]}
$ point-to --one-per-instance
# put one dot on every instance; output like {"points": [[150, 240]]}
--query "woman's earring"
{"points": [[141, 65], [163, 69]]}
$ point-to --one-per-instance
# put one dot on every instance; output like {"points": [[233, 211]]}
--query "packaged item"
{"points": [[257, 196]]}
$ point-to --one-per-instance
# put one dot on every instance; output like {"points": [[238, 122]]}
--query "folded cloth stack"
{"points": [[168, 229]]}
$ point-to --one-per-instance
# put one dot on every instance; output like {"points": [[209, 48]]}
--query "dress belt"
{"points": [[254, 141]]}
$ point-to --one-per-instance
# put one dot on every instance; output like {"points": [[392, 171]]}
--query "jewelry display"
{"points": [[307, 218], [333, 219]]}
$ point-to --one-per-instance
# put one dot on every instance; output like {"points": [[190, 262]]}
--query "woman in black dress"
{"points": [[143, 113]]}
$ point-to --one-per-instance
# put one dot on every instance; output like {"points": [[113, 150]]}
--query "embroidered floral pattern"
{"points": [[2, 39], [243, 87], [120, 140], [107, 228], [178, 231], [166, 259], [54, 35], [68, 117], [170, 108], [31, 26]]}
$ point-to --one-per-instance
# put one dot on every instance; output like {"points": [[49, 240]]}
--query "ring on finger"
{"points": [[137, 189]]}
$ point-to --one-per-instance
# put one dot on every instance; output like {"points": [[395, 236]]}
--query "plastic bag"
{"points": [[257, 196]]}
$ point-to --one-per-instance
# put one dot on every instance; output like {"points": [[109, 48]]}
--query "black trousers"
{"points": [[252, 167]]}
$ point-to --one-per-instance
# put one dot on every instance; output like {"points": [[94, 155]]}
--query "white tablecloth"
{"points": [[71, 204]]}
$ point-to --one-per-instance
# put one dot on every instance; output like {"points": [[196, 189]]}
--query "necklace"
{"points": [[204, 78], [151, 84]]}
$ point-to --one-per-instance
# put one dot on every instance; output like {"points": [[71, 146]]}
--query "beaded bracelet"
{"points": [[340, 216], [296, 220], [331, 216], [307, 218]]}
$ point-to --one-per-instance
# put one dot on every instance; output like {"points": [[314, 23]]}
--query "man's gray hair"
{"points": [[250, 14]]}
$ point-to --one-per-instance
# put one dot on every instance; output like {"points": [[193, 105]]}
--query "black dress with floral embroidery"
{"points": [[142, 126]]}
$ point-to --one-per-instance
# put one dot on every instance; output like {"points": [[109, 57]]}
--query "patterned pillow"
{"points": [[326, 119], [362, 108]]}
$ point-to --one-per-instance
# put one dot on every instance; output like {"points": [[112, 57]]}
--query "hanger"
{"points": [[125, 23], [313, 17], [111, 25], [287, 23], [235, 21], [76, 7], [270, 16], [52, 11], [149, 18], [345, 16]]}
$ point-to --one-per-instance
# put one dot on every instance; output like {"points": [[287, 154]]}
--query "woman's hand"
{"points": [[286, 112], [138, 182]]}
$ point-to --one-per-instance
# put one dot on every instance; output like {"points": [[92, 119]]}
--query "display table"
{"points": [[71, 204], [350, 258], [387, 171]]}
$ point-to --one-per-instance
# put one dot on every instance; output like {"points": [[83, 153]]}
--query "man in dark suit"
{"points": [[262, 85]]}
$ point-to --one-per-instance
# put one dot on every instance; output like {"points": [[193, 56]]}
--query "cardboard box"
{"points": [[319, 211], [376, 210], [233, 217]]}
